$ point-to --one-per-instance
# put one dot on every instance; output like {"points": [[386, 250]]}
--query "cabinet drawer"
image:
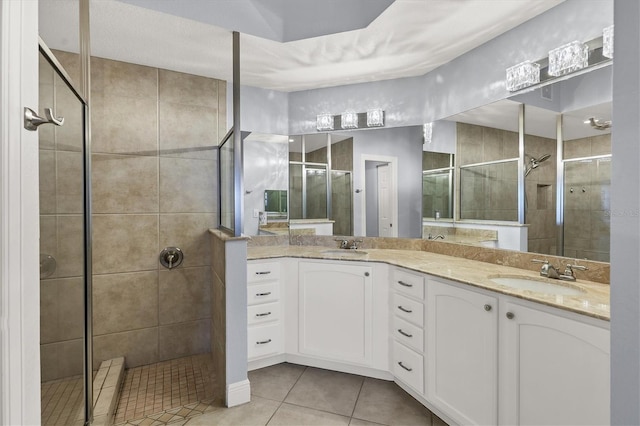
{"points": [[266, 312], [408, 309], [263, 293], [408, 366], [264, 340], [408, 283], [263, 271], [409, 334]]}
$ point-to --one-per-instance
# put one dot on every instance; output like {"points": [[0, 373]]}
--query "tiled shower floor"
{"points": [[166, 391], [61, 402]]}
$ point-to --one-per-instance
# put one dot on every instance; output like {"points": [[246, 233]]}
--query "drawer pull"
{"points": [[405, 309], [263, 294], [403, 366], [263, 314], [404, 334], [263, 342], [404, 284], [263, 272]]}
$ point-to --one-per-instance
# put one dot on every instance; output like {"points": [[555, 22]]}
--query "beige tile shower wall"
{"points": [[587, 199], [488, 192], [154, 180]]}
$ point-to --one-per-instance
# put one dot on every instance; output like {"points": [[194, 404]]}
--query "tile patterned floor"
{"points": [[161, 390], [61, 402], [289, 394]]}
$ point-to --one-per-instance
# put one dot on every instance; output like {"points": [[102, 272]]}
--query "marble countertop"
{"points": [[593, 301]]}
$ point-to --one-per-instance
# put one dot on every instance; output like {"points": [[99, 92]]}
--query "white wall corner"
{"points": [[238, 393]]}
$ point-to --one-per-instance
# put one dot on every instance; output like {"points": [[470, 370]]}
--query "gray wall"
{"points": [[443, 137], [262, 110], [625, 220], [405, 143]]}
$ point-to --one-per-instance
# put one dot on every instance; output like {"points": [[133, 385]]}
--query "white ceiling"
{"points": [[409, 38]]}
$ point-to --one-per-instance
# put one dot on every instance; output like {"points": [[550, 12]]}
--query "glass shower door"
{"points": [[587, 203], [62, 253]]}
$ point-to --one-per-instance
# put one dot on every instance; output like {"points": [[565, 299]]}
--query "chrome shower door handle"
{"points": [[32, 120]]}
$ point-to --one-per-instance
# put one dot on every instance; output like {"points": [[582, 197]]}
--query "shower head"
{"points": [[535, 162]]}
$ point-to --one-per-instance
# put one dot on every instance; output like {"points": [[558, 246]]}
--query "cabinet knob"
{"points": [[510, 315], [366, 274], [487, 307]]}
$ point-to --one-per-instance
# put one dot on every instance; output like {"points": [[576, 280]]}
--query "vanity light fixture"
{"points": [[523, 75], [427, 132], [607, 42], [324, 122], [375, 117], [349, 120], [568, 58]]}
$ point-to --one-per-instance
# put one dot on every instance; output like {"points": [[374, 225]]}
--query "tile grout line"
{"points": [[357, 398], [285, 397]]}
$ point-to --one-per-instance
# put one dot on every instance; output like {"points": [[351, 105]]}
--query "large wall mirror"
{"points": [[266, 182], [550, 195], [358, 182], [528, 173]]}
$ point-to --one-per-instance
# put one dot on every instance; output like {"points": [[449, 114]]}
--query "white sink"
{"points": [[538, 286], [344, 252]]}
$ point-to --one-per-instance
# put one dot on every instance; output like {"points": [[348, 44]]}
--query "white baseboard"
{"points": [[238, 393]]}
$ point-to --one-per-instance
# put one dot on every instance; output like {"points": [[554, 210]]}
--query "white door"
{"points": [[462, 353], [19, 231], [554, 370], [385, 224]]}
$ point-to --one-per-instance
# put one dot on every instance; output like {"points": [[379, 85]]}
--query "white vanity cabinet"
{"points": [[264, 310], [462, 353], [407, 328], [554, 368], [336, 311]]}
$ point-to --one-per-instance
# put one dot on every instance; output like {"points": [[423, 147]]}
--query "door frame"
{"points": [[19, 221], [393, 183]]}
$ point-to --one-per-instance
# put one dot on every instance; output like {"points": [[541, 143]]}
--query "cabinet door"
{"points": [[335, 311], [555, 370], [462, 353]]}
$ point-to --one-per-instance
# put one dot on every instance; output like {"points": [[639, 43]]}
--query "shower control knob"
{"points": [[171, 257]]}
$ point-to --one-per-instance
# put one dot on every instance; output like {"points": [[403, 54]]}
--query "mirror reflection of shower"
{"points": [[535, 162]]}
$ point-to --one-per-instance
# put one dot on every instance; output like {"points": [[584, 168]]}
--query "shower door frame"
{"points": [[87, 226], [19, 278]]}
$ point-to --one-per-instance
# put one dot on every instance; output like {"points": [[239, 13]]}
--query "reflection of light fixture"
{"points": [[324, 122], [607, 42], [291, 140], [598, 124], [375, 117], [523, 75], [427, 132], [568, 58], [349, 120]]}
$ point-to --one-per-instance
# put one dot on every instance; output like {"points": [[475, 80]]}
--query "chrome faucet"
{"points": [[431, 237], [568, 272], [550, 271], [354, 244], [547, 269], [344, 244]]}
